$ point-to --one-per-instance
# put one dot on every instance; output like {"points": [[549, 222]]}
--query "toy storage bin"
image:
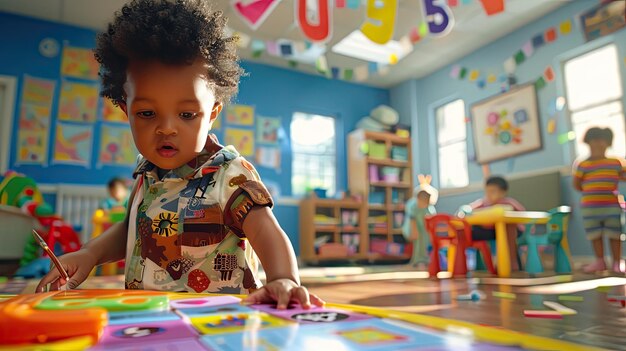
{"points": [[15, 230]]}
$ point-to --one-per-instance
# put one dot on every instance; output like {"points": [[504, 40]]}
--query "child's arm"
{"points": [[110, 246], [272, 246], [577, 177]]}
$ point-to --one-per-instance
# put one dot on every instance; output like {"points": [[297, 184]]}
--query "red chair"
{"points": [[456, 233]]}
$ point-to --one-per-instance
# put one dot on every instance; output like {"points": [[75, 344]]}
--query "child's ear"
{"points": [[217, 108]]}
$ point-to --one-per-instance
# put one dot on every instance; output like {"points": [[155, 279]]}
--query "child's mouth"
{"points": [[167, 151]]}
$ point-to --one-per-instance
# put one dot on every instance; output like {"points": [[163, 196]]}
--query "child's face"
{"points": [[118, 192], [494, 193], [170, 109], [598, 147]]}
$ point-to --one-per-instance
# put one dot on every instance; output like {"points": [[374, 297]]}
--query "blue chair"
{"points": [[556, 229]]}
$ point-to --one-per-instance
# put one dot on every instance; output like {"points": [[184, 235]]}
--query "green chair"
{"points": [[556, 229]]}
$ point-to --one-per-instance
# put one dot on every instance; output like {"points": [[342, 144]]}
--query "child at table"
{"points": [[198, 214], [597, 177], [496, 193], [414, 228], [118, 195]]}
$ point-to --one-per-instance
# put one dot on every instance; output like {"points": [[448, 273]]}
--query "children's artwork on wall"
{"points": [[506, 125], [79, 63], [78, 102], [268, 157], [217, 124], [116, 146], [267, 130], [112, 113], [604, 19], [34, 121], [241, 139], [242, 115], [72, 144]]}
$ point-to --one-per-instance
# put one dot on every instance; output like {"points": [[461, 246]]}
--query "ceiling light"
{"points": [[357, 45]]}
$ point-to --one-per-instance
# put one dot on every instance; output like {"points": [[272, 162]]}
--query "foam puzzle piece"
{"points": [[123, 317], [20, 322], [231, 323], [216, 310], [373, 335], [170, 345], [124, 303], [149, 332], [314, 315], [209, 301], [77, 343]]}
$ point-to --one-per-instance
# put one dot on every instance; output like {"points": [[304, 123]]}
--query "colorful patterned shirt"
{"points": [[185, 228], [599, 180]]}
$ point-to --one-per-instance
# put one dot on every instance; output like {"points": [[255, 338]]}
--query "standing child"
{"points": [[414, 228], [118, 195], [597, 178], [198, 214]]}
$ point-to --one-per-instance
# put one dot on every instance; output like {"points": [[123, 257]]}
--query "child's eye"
{"points": [[188, 115], [145, 114]]}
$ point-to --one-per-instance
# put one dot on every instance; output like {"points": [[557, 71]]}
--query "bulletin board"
{"points": [[506, 125]]}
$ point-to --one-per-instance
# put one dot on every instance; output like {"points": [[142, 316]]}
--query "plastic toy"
{"points": [[102, 220]]}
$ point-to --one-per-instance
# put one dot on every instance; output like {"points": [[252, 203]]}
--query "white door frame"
{"points": [[6, 120]]}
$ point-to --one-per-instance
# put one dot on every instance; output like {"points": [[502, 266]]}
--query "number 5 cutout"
{"points": [[438, 16]]}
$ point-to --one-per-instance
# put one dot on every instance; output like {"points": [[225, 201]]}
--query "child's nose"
{"points": [[167, 126]]}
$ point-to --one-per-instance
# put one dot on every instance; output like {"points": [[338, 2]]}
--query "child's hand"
{"points": [[78, 266], [283, 291]]}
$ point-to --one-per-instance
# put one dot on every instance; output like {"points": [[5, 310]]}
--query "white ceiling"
{"points": [[472, 29]]}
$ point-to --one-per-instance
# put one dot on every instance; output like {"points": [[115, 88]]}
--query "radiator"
{"points": [[76, 204]]}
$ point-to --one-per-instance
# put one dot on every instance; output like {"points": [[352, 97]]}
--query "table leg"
{"points": [[502, 250]]}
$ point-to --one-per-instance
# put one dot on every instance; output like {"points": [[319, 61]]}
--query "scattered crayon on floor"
{"points": [[542, 314], [474, 295], [560, 308], [504, 295], [572, 298]]}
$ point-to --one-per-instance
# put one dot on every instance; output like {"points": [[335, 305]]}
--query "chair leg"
{"points": [[485, 252], [561, 260], [433, 266]]}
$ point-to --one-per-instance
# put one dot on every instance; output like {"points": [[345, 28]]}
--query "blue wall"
{"points": [[419, 98], [274, 92]]}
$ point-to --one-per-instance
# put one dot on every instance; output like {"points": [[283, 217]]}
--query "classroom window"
{"points": [[314, 152], [452, 145], [594, 92]]}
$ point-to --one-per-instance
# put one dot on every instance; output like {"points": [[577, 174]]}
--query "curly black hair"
{"points": [[171, 32], [597, 133]]}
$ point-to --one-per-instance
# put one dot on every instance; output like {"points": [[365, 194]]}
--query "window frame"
{"points": [[435, 108], [569, 113], [334, 155]]}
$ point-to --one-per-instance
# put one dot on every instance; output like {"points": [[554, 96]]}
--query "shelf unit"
{"points": [[311, 230], [393, 193]]}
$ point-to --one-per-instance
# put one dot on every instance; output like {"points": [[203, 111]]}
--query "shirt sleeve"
{"points": [[517, 206], [480, 203], [577, 171], [246, 192]]}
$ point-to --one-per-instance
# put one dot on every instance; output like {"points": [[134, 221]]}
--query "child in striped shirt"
{"points": [[598, 178]]}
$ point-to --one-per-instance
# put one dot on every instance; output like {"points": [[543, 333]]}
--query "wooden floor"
{"points": [[598, 323]]}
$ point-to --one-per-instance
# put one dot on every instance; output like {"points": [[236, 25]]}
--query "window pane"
{"points": [[313, 153], [608, 115], [451, 122], [593, 78], [453, 165]]}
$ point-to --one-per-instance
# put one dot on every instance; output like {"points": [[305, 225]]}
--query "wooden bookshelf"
{"points": [[379, 154]]}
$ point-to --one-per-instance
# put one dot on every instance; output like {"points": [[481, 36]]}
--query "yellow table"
{"points": [[499, 217]]}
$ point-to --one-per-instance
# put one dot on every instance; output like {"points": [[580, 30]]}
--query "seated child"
{"points": [[198, 214], [496, 191], [118, 194], [414, 228], [598, 177]]}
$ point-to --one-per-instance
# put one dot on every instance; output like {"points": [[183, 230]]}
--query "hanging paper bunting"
{"points": [[550, 35], [566, 27], [293, 64], [423, 29], [548, 74], [481, 82], [383, 69], [380, 20], [453, 3], [491, 78], [319, 32], [258, 47], [463, 73], [510, 65], [519, 57], [285, 48], [372, 67], [414, 35], [551, 127], [321, 65], [540, 83], [272, 48], [473, 76], [528, 49], [335, 72], [538, 41], [406, 45], [567, 137], [348, 73], [493, 7], [255, 12], [438, 16], [455, 72], [340, 4], [361, 73]]}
